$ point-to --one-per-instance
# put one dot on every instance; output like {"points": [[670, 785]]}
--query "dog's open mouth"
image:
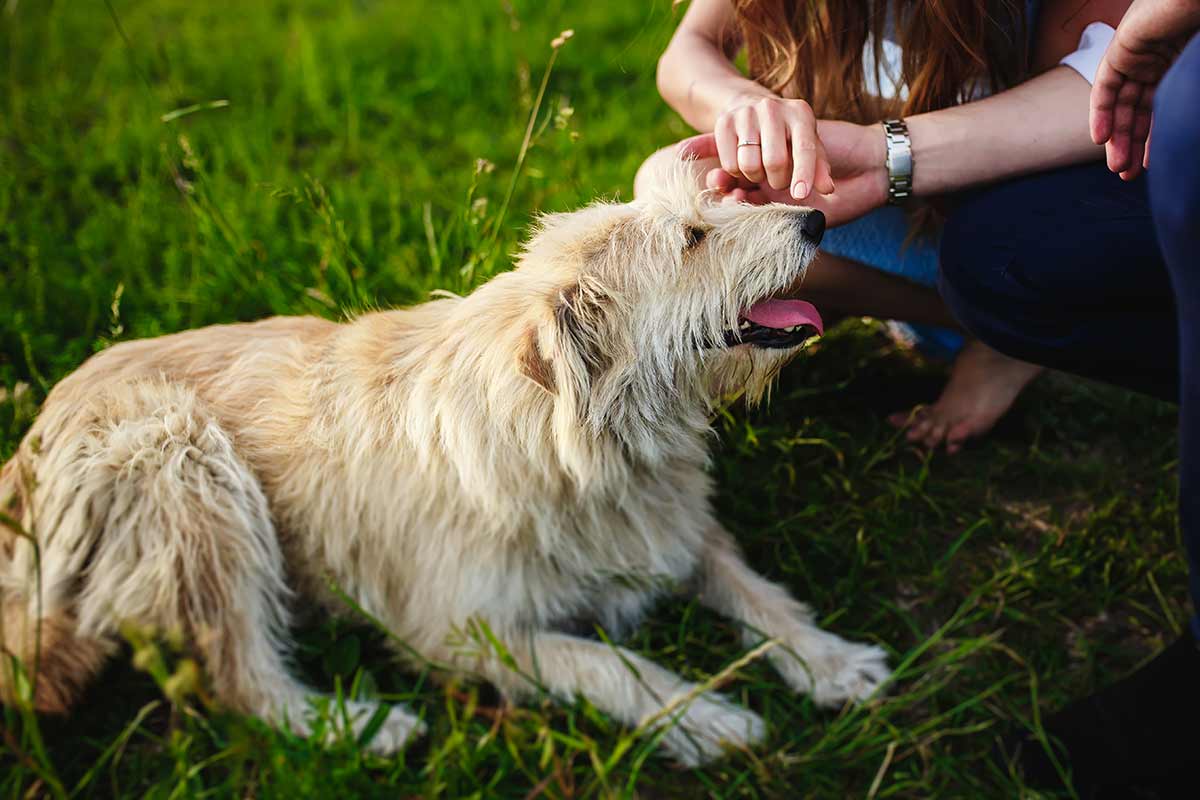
{"points": [[776, 324]]}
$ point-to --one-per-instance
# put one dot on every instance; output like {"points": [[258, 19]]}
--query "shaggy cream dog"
{"points": [[526, 456]]}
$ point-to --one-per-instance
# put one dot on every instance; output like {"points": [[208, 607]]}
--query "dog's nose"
{"points": [[814, 225]]}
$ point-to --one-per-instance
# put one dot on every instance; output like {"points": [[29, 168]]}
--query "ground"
{"points": [[165, 165]]}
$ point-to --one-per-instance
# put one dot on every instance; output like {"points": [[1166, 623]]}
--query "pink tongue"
{"points": [[784, 314]]}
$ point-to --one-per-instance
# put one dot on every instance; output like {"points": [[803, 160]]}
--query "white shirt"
{"points": [[887, 82]]}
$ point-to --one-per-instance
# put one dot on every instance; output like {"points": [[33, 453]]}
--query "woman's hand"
{"points": [[1147, 41], [856, 158], [773, 142]]}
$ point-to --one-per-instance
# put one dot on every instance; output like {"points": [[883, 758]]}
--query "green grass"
{"points": [[321, 157]]}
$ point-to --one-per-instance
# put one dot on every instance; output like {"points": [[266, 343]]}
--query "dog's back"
{"points": [[218, 358]]}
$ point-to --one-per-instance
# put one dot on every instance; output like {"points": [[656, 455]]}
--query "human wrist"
{"points": [[1187, 17], [1148, 22], [748, 95]]}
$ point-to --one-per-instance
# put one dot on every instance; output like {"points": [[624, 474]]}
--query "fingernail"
{"points": [[800, 190]]}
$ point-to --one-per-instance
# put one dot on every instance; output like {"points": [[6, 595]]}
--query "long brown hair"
{"points": [[813, 49]]}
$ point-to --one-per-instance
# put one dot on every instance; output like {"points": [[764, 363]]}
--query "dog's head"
{"points": [[656, 308]]}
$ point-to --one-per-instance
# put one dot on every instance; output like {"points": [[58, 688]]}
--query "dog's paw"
{"points": [[706, 728], [398, 729], [834, 670]]}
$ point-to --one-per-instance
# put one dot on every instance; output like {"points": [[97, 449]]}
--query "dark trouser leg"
{"points": [[1062, 269], [1175, 199]]}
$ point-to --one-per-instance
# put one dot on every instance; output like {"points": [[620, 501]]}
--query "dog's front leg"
{"points": [[632, 689], [811, 660]]}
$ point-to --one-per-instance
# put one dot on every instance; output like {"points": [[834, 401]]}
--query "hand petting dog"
{"points": [[853, 154]]}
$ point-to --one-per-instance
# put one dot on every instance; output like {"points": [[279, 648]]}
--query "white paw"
{"points": [[709, 726], [398, 728], [830, 668]]}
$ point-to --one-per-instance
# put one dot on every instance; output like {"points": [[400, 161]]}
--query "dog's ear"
{"points": [[572, 339], [535, 365], [579, 317]]}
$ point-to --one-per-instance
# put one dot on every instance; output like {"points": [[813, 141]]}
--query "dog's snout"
{"points": [[814, 225]]}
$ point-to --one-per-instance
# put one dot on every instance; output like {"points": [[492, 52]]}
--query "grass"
{"points": [[167, 165]]}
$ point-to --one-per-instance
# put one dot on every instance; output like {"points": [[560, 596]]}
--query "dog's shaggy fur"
{"points": [[529, 455]]}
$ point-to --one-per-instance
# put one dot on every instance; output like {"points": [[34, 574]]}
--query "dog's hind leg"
{"points": [[697, 725], [56, 662], [154, 519], [40, 650], [811, 660]]}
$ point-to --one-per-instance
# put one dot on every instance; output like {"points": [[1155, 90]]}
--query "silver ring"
{"points": [[749, 144]]}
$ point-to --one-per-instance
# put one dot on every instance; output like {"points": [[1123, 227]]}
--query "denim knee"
{"points": [[971, 276], [1175, 147]]}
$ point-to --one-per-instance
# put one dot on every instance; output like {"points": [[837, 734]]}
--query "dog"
{"points": [[526, 456]]}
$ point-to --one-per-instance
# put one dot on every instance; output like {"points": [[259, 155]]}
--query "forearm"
{"points": [[696, 75], [699, 81], [1039, 125]]}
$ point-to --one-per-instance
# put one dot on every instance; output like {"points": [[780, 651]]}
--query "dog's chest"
{"points": [[519, 556], [609, 558]]}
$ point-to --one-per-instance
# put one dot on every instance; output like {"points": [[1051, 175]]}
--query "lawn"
{"points": [[166, 165]]}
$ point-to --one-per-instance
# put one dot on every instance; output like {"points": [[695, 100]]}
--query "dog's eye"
{"points": [[695, 236]]}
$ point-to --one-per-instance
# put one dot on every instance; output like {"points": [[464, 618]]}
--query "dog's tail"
{"points": [[42, 660]]}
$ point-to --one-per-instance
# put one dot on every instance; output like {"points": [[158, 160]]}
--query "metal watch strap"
{"points": [[899, 161]]}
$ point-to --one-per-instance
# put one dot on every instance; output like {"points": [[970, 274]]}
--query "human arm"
{"points": [[697, 77], [696, 74], [1147, 42], [1038, 125]]}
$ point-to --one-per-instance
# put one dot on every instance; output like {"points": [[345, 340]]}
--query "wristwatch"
{"points": [[899, 161]]}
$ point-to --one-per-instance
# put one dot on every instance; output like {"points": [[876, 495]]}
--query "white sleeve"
{"points": [[1092, 44]]}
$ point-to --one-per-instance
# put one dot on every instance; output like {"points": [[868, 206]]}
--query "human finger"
{"points": [[720, 181], [725, 133], [749, 145], [1137, 140], [773, 135], [700, 146], [737, 195], [1103, 100], [1120, 147], [823, 176], [805, 146]]}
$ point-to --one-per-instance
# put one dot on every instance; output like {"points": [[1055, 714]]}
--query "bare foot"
{"points": [[982, 387]]}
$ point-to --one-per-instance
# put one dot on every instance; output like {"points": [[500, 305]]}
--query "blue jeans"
{"points": [[881, 240], [1077, 270]]}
